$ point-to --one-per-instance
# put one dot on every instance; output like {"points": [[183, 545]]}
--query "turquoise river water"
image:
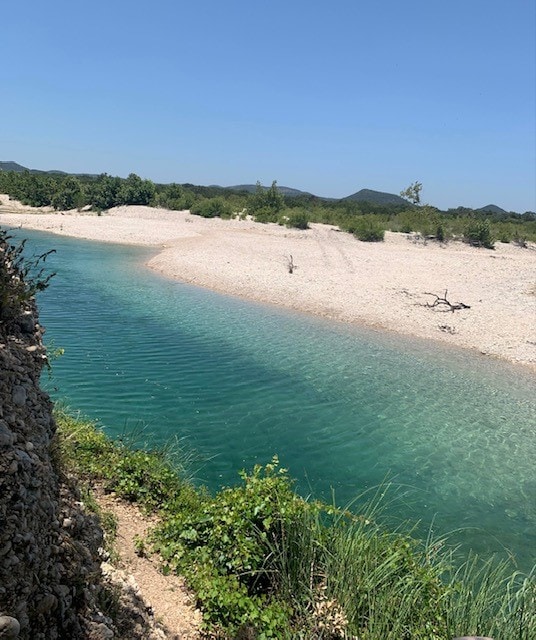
{"points": [[345, 408]]}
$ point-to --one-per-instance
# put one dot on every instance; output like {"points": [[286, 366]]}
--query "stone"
{"points": [[27, 322], [19, 396], [9, 627], [63, 590], [101, 632], [46, 604], [7, 437]]}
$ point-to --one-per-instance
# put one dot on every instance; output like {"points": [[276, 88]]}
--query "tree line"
{"points": [[368, 221]]}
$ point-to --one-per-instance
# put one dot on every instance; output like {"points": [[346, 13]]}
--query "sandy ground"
{"points": [[382, 285]]}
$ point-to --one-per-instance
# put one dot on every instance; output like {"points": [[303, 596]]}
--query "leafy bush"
{"points": [[265, 215], [297, 219], [211, 208], [368, 229], [20, 277], [425, 220], [478, 234]]}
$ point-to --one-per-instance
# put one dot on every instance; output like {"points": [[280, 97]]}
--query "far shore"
{"points": [[384, 285]]}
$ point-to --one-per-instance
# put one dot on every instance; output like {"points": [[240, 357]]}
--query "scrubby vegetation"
{"points": [[20, 277], [265, 563], [212, 208], [366, 220]]}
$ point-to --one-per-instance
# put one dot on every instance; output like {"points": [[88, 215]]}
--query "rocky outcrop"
{"points": [[49, 562]]}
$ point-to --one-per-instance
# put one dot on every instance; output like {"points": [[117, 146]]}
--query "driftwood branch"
{"points": [[290, 264], [443, 304]]}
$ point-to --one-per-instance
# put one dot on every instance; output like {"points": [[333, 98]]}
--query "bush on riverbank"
{"points": [[212, 208], [265, 563]]}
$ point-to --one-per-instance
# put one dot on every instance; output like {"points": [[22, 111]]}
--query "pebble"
{"points": [[9, 627]]}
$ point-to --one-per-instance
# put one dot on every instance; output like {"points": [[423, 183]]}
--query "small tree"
{"points": [[70, 194], [134, 190], [105, 192], [266, 204], [413, 193]]}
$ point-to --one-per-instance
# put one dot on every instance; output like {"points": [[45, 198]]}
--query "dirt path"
{"points": [[167, 596]]}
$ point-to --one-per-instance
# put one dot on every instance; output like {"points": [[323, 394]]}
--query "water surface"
{"points": [[343, 407]]}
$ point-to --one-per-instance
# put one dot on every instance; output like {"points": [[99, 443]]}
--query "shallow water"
{"points": [[344, 408]]}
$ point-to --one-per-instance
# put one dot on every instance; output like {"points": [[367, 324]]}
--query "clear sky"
{"points": [[328, 97]]}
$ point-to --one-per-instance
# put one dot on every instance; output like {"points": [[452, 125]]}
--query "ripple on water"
{"points": [[344, 408]]}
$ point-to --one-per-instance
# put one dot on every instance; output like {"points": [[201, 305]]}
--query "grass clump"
{"points": [[266, 563]]}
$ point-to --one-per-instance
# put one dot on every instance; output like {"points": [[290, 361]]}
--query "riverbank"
{"points": [[264, 562], [383, 285]]}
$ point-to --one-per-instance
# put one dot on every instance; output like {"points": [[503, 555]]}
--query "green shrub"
{"points": [[368, 229], [211, 208], [265, 215], [478, 234], [20, 278], [297, 219], [223, 547], [441, 233]]}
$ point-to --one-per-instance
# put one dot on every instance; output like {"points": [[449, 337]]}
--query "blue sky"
{"points": [[324, 97]]}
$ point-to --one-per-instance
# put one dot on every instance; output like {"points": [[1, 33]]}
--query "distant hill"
{"points": [[286, 191], [376, 197], [9, 165], [492, 208]]}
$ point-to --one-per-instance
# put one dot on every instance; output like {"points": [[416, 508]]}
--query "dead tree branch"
{"points": [[290, 264], [443, 304]]}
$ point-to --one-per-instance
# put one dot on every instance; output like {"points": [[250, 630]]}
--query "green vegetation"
{"points": [[367, 228], [266, 204], [20, 277], [367, 220], [478, 234], [297, 219], [265, 563], [212, 208]]}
